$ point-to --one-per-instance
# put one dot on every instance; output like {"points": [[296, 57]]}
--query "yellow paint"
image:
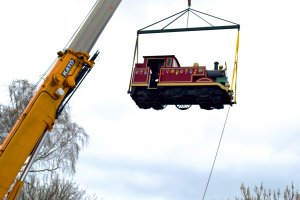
{"points": [[235, 69], [226, 88], [38, 117]]}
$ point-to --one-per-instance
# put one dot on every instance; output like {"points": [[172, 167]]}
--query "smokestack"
{"points": [[216, 65]]}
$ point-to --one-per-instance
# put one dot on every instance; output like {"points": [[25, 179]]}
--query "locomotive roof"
{"points": [[159, 56], [163, 56]]}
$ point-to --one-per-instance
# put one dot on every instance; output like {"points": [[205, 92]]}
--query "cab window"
{"points": [[169, 62], [175, 64]]}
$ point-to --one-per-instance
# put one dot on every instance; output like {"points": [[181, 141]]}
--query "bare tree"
{"points": [[58, 154], [261, 193], [43, 189], [63, 143], [20, 92]]}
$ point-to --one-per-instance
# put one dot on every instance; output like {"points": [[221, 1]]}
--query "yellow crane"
{"points": [[66, 74]]}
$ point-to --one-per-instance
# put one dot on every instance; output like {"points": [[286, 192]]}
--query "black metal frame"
{"points": [[181, 13]]}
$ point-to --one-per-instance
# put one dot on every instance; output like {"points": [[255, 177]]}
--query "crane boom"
{"points": [[39, 116], [93, 26]]}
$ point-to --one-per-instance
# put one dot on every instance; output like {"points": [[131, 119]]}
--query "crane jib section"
{"points": [[93, 25]]}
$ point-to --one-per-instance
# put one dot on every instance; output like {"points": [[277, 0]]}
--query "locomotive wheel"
{"points": [[144, 106], [183, 106], [206, 107], [219, 106], [158, 106]]}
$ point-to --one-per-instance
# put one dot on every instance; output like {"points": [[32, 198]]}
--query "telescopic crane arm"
{"points": [[39, 116]]}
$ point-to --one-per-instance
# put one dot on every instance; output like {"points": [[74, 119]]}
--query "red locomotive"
{"points": [[160, 81]]}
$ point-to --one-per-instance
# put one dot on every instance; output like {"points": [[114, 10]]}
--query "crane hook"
{"points": [[189, 3]]}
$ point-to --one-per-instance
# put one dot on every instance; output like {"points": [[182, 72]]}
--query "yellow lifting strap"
{"points": [[235, 68]]}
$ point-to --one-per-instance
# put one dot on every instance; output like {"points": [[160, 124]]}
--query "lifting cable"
{"points": [[165, 29], [188, 16], [235, 68], [213, 165]]}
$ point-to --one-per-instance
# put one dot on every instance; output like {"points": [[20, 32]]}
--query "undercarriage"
{"points": [[207, 97]]}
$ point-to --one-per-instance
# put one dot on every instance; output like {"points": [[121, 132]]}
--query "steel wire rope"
{"points": [[186, 11], [164, 20], [187, 21], [215, 158], [201, 18], [213, 16]]}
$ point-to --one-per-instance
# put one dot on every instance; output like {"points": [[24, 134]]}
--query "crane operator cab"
{"points": [[161, 81]]}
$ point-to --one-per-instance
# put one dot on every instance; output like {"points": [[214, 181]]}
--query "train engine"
{"points": [[160, 81]]}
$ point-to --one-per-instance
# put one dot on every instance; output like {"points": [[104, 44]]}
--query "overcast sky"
{"points": [[138, 154]]}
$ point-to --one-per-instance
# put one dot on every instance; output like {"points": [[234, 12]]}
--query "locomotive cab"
{"points": [[155, 65], [161, 81]]}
